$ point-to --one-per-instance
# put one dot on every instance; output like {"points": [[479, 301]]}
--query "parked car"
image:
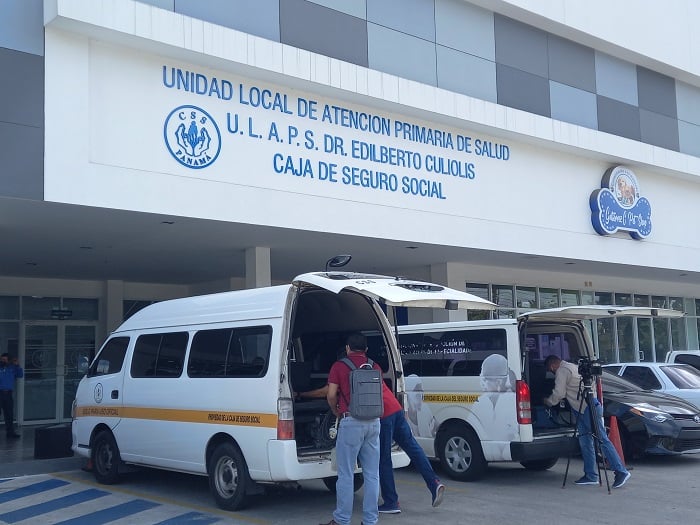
{"points": [[650, 422], [670, 378], [688, 357]]}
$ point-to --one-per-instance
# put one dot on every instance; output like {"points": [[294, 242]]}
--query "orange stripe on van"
{"points": [[183, 416]]}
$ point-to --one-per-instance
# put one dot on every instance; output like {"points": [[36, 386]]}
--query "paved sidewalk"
{"points": [[17, 457]]}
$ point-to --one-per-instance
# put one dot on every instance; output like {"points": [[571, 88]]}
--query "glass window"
{"points": [[623, 299], [646, 342], [641, 376], [606, 340], [450, 353], [110, 358], [9, 307], [625, 340], [570, 298], [39, 308], [678, 339], [658, 301], [603, 298], [641, 300], [503, 295], [682, 376], [230, 352], [159, 355], [9, 336], [526, 297], [587, 298], [661, 339], [480, 290], [676, 303], [82, 309], [549, 298]]}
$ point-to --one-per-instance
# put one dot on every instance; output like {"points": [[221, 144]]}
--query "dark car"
{"points": [[650, 422]]}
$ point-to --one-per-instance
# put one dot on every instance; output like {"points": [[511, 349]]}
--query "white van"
{"points": [[205, 385], [687, 357], [475, 388]]}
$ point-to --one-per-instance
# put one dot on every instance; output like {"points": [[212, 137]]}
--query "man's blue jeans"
{"points": [[585, 440], [396, 428], [357, 440]]}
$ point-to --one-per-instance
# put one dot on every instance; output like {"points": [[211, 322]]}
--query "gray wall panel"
{"points": [[658, 130], [571, 64], [689, 138], [356, 8], [22, 153], [521, 46], [22, 25], [324, 31], [616, 79], [688, 102], [168, 5], [400, 54], [657, 92], [413, 17], [466, 74], [257, 17], [21, 88], [464, 27], [576, 106], [521, 90], [618, 118]]}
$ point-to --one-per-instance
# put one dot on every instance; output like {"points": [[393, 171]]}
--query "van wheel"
{"points": [[459, 450], [539, 464], [228, 477], [105, 458], [357, 482]]}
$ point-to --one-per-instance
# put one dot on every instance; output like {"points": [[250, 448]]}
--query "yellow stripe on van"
{"points": [[450, 398], [183, 416]]}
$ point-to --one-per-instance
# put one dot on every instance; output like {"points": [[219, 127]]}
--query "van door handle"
{"points": [[115, 394]]}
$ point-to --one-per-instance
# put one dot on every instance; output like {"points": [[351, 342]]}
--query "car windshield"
{"points": [[613, 383], [682, 376]]}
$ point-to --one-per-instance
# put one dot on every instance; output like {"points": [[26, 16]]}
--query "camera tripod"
{"points": [[586, 395]]}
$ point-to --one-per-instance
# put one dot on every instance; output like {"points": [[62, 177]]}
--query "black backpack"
{"points": [[365, 390]]}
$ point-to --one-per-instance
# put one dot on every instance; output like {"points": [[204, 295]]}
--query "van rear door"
{"points": [[578, 313], [395, 291]]}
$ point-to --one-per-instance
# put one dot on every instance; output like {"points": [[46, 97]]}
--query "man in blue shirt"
{"points": [[9, 371]]}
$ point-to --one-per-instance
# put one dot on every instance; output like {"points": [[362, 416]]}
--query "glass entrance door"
{"points": [[52, 352]]}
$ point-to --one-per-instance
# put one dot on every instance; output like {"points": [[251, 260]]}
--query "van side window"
{"points": [[159, 355], [450, 353], [230, 352], [111, 358]]}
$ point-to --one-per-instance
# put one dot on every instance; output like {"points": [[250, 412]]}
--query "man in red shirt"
{"points": [[358, 440]]}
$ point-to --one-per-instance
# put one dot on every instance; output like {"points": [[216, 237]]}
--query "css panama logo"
{"points": [[617, 206], [192, 137]]}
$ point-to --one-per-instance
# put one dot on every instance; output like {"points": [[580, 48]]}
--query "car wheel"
{"points": [[228, 477], [357, 482], [539, 464], [105, 458], [459, 450]]}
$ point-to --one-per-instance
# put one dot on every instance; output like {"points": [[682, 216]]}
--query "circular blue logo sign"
{"points": [[192, 137]]}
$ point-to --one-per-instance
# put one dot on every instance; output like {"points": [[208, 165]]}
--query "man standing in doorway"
{"points": [[9, 371]]}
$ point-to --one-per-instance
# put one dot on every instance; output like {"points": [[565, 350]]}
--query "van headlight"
{"points": [[649, 412]]}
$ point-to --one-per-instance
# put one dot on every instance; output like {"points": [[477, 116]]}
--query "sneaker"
{"points": [[389, 509], [585, 480], [620, 479], [438, 491]]}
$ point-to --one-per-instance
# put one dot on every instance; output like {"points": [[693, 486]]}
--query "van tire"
{"points": [[228, 477], [357, 481], [459, 450], [539, 464], [105, 458]]}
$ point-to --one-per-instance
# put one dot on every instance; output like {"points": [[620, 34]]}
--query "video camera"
{"points": [[587, 368]]}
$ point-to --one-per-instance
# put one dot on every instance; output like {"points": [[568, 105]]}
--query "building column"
{"points": [[447, 275], [257, 267], [113, 306]]}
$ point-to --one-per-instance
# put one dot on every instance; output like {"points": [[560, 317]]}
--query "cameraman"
{"points": [[568, 385]]}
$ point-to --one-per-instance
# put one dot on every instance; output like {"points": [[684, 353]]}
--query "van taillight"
{"points": [[285, 419], [522, 402]]}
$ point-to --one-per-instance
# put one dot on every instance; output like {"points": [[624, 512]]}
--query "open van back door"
{"points": [[574, 313], [395, 291]]}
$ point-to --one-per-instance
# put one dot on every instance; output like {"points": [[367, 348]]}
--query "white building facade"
{"points": [[534, 153]]}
